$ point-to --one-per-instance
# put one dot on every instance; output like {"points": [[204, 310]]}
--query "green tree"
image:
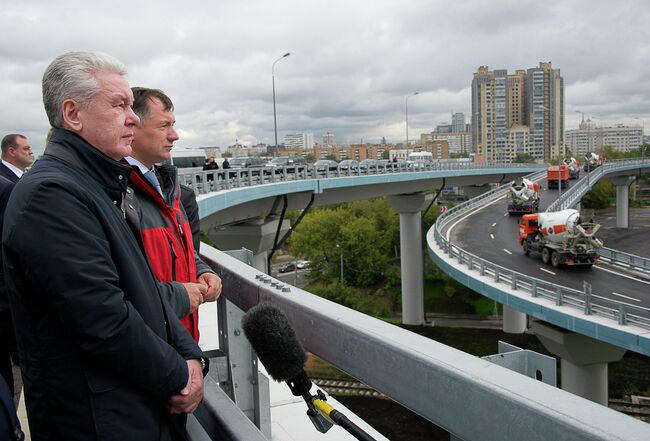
{"points": [[309, 157], [331, 157], [523, 158], [598, 197], [385, 154]]}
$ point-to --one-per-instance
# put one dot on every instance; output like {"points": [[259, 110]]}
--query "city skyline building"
{"points": [[299, 140], [589, 137], [501, 102]]}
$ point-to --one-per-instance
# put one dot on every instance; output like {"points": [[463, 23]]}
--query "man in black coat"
{"points": [[7, 338], [17, 155], [102, 354]]}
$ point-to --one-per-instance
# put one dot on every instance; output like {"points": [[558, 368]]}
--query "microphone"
{"points": [[269, 332]]}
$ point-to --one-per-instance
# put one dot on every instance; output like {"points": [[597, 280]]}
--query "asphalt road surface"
{"points": [[491, 233]]}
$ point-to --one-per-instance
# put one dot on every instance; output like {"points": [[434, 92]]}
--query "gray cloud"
{"points": [[351, 66]]}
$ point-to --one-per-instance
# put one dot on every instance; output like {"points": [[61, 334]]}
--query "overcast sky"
{"points": [[351, 66]]}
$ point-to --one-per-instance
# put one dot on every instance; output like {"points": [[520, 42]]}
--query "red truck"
{"points": [[558, 175]]}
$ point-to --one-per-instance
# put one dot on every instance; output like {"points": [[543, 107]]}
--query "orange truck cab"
{"points": [[557, 175]]}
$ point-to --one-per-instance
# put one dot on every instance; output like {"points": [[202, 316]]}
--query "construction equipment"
{"points": [[574, 167], [561, 237], [524, 196], [593, 160], [557, 175]]}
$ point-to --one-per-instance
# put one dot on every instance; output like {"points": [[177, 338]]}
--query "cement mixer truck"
{"points": [[524, 196], [561, 237], [592, 161], [574, 167]]}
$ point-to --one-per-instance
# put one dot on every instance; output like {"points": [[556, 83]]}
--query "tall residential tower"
{"points": [[518, 113]]}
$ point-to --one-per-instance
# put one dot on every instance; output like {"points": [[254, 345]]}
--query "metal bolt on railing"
{"points": [[274, 284], [587, 290], [286, 289], [622, 319]]}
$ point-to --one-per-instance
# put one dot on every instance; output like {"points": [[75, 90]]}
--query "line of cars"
{"points": [[256, 165], [292, 266]]}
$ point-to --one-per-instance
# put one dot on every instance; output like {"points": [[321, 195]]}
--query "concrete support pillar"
{"points": [[256, 235], [622, 199], [583, 360], [410, 222], [514, 322]]}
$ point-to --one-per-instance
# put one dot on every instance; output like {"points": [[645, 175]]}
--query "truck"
{"points": [[524, 196], [560, 237], [574, 167], [557, 175], [593, 160]]}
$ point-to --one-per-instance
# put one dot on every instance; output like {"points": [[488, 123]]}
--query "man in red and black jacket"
{"points": [[165, 232]]}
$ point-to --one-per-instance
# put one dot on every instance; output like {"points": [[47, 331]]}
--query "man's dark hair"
{"points": [[142, 96], [10, 141]]}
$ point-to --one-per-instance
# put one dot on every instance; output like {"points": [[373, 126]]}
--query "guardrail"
{"points": [[591, 304], [216, 180], [446, 386]]}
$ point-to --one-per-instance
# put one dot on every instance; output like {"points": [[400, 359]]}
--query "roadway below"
{"points": [[492, 234], [634, 239]]}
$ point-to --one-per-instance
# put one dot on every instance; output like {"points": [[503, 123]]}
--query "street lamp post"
{"points": [[559, 158], [275, 121], [407, 116], [642, 133]]}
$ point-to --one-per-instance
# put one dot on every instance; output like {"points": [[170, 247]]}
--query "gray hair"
{"points": [[72, 76]]}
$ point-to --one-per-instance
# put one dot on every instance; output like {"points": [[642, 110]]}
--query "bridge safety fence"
{"points": [[225, 179], [589, 303]]}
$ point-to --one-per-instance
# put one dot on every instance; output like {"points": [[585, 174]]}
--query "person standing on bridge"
{"points": [[103, 356], [16, 156], [162, 221]]}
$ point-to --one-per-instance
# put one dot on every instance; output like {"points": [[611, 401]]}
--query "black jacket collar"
{"points": [[73, 149]]}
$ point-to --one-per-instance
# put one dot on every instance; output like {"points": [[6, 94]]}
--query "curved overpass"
{"points": [[613, 308], [305, 188]]}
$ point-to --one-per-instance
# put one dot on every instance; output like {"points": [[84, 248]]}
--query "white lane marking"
{"points": [[469, 214], [509, 252], [621, 275], [491, 236], [494, 224], [625, 297], [505, 214], [547, 271]]}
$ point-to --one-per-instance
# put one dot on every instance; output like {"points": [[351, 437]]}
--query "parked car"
{"points": [[325, 164], [287, 267], [368, 165], [349, 164], [290, 162], [245, 162], [302, 264]]}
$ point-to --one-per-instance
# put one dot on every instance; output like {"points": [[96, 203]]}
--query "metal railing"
{"points": [[591, 304], [446, 386], [217, 180]]}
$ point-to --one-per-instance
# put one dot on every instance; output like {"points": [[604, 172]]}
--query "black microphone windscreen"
{"points": [[275, 342]]}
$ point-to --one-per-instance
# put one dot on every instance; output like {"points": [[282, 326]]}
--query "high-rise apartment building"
{"points": [[299, 141], [532, 98], [328, 139], [458, 122]]}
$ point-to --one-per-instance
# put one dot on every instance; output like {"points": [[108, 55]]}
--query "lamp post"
{"points": [[275, 121], [407, 116], [642, 133], [559, 159]]}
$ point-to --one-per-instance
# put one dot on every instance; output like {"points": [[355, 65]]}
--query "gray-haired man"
{"points": [[103, 356]]}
